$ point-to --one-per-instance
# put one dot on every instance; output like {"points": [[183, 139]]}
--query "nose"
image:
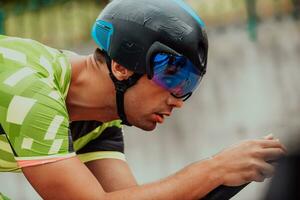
{"points": [[174, 102]]}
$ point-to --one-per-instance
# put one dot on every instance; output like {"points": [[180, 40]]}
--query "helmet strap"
{"points": [[121, 87]]}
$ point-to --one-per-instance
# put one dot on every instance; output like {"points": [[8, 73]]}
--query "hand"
{"points": [[249, 161]]}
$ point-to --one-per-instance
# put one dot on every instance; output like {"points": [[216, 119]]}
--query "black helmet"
{"points": [[131, 31]]}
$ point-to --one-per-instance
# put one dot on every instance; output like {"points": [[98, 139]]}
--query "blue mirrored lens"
{"points": [[177, 74]]}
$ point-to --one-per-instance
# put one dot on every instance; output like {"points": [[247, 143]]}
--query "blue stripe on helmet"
{"points": [[190, 11], [102, 32]]}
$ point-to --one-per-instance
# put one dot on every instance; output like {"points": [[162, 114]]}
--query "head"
{"points": [[160, 47], [145, 103]]}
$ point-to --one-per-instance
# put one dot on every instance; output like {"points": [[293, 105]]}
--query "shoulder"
{"points": [[69, 53], [28, 46], [95, 140]]}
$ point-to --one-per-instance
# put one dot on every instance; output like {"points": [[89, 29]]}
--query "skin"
{"points": [[112, 179], [98, 103]]}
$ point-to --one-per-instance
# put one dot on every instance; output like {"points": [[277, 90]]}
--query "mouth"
{"points": [[160, 117]]}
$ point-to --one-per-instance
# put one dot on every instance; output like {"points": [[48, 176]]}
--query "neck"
{"points": [[91, 94]]}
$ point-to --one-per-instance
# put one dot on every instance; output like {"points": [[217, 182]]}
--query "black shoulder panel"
{"points": [[111, 139], [81, 128]]}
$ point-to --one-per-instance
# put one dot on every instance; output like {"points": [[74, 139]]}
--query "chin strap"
{"points": [[121, 87]]}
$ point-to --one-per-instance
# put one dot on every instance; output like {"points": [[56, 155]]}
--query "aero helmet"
{"points": [[141, 34]]}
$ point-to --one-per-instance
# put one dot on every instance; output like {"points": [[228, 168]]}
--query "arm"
{"points": [[112, 174], [104, 155], [70, 179]]}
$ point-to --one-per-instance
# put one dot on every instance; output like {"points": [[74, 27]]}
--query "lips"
{"points": [[159, 117]]}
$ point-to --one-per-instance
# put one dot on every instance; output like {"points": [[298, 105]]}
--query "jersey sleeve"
{"points": [[36, 122], [95, 140], [34, 81]]}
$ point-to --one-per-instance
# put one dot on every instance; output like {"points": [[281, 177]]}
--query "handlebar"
{"points": [[224, 192]]}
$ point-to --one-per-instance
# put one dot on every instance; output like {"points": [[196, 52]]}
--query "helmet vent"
{"points": [[103, 32]]}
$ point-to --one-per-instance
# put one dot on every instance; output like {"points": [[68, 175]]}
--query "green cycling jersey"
{"points": [[34, 122]]}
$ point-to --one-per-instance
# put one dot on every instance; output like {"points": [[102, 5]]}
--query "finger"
{"points": [[267, 170], [272, 154], [260, 170], [269, 137], [263, 170], [258, 177], [271, 144], [283, 146]]}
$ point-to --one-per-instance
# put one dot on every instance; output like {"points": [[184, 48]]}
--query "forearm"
{"points": [[232, 167], [192, 182], [70, 179]]}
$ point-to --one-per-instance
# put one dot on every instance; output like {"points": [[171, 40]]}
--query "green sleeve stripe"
{"points": [[3, 138], [8, 165], [2, 197], [67, 82], [87, 157], [78, 144], [13, 54], [8, 156], [4, 146]]}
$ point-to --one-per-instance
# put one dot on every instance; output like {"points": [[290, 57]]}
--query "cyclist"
{"points": [[61, 113]]}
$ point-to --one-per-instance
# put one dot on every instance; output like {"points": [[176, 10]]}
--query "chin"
{"points": [[146, 127]]}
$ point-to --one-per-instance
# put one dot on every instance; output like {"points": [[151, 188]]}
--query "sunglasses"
{"points": [[176, 73]]}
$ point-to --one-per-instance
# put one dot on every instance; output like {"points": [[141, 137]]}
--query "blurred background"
{"points": [[251, 88]]}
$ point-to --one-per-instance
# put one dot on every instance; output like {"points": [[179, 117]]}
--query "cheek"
{"points": [[135, 104], [145, 98]]}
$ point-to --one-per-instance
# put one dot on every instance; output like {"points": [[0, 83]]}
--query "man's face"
{"points": [[147, 104]]}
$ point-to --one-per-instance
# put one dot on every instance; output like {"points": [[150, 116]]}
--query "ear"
{"points": [[120, 72]]}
